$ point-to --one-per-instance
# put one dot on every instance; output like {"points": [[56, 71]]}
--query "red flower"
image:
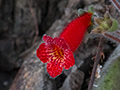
{"points": [[73, 34], [57, 54]]}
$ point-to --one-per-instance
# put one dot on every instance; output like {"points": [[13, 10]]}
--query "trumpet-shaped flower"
{"points": [[58, 52]]}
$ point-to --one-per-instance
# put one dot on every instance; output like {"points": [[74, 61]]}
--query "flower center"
{"points": [[58, 52]]}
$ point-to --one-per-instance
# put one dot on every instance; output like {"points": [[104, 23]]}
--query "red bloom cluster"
{"points": [[58, 52]]}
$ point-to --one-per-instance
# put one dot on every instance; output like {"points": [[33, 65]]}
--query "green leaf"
{"points": [[80, 12], [114, 26], [106, 15], [99, 20], [91, 9], [110, 74]]}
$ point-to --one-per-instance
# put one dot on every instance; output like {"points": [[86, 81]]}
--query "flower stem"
{"points": [[97, 59], [116, 4]]}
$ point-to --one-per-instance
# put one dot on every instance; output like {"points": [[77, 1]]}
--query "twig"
{"points": [[112, 37], [116, 4], [97, 59], [36, 24], [118, 32]]}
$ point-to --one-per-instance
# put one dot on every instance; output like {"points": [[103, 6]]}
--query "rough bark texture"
{"points": [[18, 29], [17, 26], [32, 77]]}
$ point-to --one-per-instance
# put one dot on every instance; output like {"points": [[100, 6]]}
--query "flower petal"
{"points": [[69, 60], [61, 43], [44, 52], [54, 69], [48, 40], [57, 54], [74, 32]]}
